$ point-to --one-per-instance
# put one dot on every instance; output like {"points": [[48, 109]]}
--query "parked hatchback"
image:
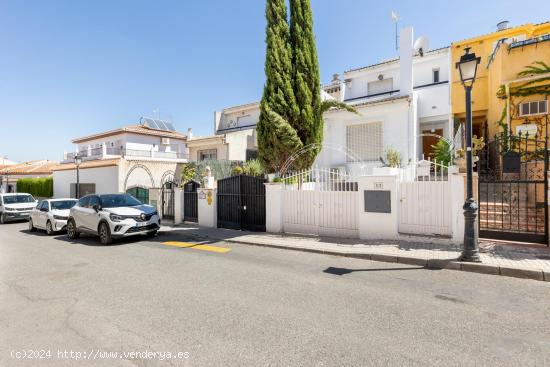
{"points": [[51, 215], [112, 216], [16, 206]]}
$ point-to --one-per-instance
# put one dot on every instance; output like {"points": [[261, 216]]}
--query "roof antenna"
{"points": [[395, 19], [157, 111]]}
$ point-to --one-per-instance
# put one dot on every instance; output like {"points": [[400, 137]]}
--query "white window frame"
{"points": [[521, 105], [209, 152], [364, 145]]}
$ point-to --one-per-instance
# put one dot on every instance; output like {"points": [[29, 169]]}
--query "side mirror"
{"points": [[96, 207]]}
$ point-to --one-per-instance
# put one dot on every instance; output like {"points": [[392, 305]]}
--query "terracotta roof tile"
{"points": [[87, 164], [134, 129], [43, 167]]}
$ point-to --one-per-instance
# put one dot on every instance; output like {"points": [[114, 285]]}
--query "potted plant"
{"points": [[460, 154]]}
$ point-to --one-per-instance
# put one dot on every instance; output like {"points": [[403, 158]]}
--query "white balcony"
{"points": [[108, 153]]}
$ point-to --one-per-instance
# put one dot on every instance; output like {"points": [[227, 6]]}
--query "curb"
{"points": [[435, 264]]}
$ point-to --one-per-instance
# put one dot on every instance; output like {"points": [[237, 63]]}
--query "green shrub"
{"points": [[37, 187], [253, 167], [442, 152], [237, 170]]}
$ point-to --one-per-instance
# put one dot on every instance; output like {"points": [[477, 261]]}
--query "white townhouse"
{"points": [[403, 103], [140, 159], [234, 136]]}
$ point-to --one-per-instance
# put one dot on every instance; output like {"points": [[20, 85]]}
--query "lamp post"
{"points": [[77, 161], [467, 66]]}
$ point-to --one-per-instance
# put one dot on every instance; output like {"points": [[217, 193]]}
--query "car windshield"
{"points": [[118, 200], [62, 204], [17, 199]]}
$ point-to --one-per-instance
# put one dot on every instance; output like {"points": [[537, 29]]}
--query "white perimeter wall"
{"points": [[106, 180]]}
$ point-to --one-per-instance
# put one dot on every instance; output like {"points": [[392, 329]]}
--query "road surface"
{"points": [[144, 303]]}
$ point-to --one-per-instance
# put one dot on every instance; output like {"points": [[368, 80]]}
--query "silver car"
{"points": [[51, 215], [15, 206]]}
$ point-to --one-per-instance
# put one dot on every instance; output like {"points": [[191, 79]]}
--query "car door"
{"points": [[80, 211], [44, 211], [92, 217], [38, 218], [35, 214]]}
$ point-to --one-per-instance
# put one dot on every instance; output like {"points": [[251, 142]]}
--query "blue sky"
{"points": [[71, 68]]}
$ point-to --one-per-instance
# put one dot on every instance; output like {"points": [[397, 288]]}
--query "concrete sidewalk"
{"points": [[498, 258]]}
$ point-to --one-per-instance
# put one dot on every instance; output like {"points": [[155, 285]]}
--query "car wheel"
{"points": [[72, 233], [31, 225], [105, 234], [49, 228]]}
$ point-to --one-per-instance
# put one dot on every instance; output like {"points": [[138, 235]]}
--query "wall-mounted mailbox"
{"points": [[377, 201]]}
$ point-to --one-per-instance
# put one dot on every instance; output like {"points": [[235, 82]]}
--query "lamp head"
{"points": [[467, 66]]}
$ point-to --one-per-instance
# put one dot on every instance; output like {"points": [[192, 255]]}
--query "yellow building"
{"points": [[504, 54]]}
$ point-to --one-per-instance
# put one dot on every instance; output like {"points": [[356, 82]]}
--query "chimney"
{"points": [[189, 134], [406, 51]]}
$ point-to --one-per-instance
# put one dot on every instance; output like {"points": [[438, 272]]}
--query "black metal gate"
{"points": [[190, 202], [241, 203], [513, 186], [168, 200]]}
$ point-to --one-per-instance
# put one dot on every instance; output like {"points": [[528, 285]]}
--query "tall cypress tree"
{"points": [[277, 138], [306, 80]]}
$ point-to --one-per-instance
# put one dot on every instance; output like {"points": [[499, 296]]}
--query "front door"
{"points": [[430, 138]]}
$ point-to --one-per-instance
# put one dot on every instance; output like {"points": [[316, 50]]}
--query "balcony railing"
{"points": [[96, 153], [154, 154]]}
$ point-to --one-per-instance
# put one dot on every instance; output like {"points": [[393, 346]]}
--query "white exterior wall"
{"points": [[221, 148], [238, 142], [136, 142], [106, 180], [239, 118], [399, 128]]}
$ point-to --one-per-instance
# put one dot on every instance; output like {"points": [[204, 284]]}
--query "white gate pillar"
{"points": [[274, 207], [178, 205], [377, 211], [208, 215]]}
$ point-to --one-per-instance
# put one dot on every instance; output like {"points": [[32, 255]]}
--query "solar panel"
{"points": [[157, 124], [170, 126], [161, 125]]}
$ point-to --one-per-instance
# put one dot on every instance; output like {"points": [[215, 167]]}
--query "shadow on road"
{"points": [[344, 271]]}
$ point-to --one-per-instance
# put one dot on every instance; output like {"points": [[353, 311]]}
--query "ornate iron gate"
{"points": [[513, 186], [241, 203], [190, 202], [168, 200]]}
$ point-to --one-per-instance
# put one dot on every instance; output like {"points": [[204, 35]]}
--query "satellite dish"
{"points": [[421, 45]]}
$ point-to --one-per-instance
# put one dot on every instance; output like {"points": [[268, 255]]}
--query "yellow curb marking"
{"points": [[197, 246]]}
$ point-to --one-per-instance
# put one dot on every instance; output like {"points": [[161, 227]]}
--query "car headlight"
{"points": [[115, 217], [59, 217]]}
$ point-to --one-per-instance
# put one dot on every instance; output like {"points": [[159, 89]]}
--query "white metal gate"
{"points": [[425, 203], [321, 202]]}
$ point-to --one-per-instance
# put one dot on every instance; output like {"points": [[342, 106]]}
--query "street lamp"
{"points": [[467, 66], [77, 161]]}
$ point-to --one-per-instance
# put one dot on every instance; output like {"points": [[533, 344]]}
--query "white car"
{"points": [[112, 216], [16, 206], [51, 215]]}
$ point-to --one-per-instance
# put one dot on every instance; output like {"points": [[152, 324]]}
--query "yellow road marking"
{"points": [[197, 246]]}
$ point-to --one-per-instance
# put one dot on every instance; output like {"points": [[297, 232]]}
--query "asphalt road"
{"points": [[253, 306]]}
